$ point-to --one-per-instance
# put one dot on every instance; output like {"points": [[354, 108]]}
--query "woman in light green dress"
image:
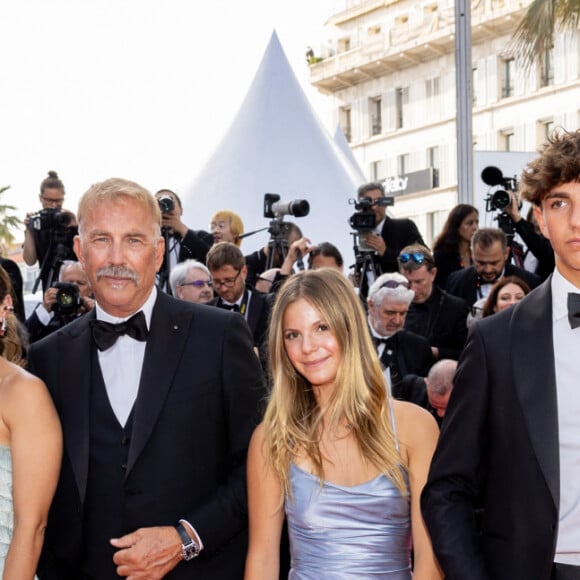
{"points": [[30, 452]]}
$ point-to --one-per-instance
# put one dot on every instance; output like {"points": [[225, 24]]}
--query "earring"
{"points": [[3, 325]]}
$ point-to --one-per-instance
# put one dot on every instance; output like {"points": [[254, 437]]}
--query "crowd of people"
{"points": [[176, 408]]}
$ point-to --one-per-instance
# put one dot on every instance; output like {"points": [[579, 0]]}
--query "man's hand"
{"points": [[303, 246], [148, 553], [375, 242], [87, 304], [49, 299], [512, 209], [172, 221]]}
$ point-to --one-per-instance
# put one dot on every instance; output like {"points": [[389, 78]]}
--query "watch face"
{"points": [[189, 551]]}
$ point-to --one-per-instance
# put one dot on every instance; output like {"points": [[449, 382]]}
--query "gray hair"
{"points": [[378, 293], [440, 377], [67, 265], [180, 271]]}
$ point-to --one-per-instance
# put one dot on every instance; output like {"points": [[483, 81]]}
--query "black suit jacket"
{"points": [[397, 234], [198, 401], [195, 246], [463, 283], [441, 319], [499, 447]]}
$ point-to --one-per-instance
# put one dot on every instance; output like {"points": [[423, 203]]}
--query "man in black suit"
{"points": [[390, 235], [510, 440], [227, 266], [435, 314], [157, 398], [490, 253], [181, 243], [404, 354]]}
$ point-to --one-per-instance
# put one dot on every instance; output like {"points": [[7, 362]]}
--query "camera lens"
{"points": [[501, 199], [166, 203]]}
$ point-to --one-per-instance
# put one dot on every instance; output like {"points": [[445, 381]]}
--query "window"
{"points": [[375, 116], [402, 164], [344, 114], [506, 140], [376, 170], [433, 163], [508, 77], [547, 68], [474, 86], [544, 130], [432, 87], [344, 44], [401, 101]]}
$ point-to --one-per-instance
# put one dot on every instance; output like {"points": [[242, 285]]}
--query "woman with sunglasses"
{"points": [[452, 248], [335, 453]]}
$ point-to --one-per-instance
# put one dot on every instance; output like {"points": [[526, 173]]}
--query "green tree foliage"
{"points": [[8, 221]]}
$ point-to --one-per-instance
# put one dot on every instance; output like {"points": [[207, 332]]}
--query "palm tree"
{"points": [[8, 221], [534, 36]]}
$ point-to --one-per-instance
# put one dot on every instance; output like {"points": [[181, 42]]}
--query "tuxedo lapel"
{"points": [[535, 379], [167, 337], [254, 311], [75, 343]]}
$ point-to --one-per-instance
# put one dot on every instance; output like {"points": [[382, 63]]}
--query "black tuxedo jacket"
{"points": [[195, 246], [463, 283], [200, 391], [441, 319], [397, 234], [499, 448]]}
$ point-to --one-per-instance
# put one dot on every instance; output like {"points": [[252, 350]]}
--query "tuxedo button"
{"points": [[124, 466], [125, 440]]}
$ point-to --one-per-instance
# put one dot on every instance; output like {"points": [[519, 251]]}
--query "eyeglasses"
{"points": [[198, 283], [227, 282], [58, 201], [395, 284], [417, 257]]}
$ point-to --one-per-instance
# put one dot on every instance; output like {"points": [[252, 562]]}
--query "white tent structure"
{"points": [[276, 144], [340, 140]]}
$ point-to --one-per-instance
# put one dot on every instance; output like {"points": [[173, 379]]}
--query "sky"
{"points": [[140, 89]]}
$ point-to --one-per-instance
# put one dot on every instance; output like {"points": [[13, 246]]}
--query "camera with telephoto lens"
{"points": [[166, 203], [68, 299], [499, 197], [274, 208], [51, 219]]}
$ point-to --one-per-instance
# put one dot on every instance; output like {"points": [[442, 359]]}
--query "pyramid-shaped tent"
{"points": [[276, 144]]}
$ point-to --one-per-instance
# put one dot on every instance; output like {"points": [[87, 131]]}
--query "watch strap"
{"points": [[189, 547]]}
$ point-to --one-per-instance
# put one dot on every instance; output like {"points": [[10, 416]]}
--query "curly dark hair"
{"points": [[448, 239], [558, 162]]}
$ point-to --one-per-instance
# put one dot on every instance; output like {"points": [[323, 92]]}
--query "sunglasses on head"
{"points": [[417, 257], [394, 284]]}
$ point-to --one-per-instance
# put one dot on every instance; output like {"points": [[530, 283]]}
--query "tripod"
{"points": [[163, 274], [277, 244], [366, 266], [59, 249]]}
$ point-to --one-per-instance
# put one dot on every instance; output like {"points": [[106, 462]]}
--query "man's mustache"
{"points": [[118, 272]]}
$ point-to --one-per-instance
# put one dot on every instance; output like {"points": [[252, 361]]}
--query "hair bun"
{"points": [[53, 174]]}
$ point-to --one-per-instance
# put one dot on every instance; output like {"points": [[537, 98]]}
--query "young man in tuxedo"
{"points": [[510, 441], [158, 398]]}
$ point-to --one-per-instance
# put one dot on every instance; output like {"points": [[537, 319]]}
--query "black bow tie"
{"points": [[234, 307], [381, 340], [105, 334], [574, 309]]}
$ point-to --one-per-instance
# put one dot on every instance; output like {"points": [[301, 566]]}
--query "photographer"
{"points": [[49, 233], [539, 256], [62, 303], [390, 235], [181, 243]]}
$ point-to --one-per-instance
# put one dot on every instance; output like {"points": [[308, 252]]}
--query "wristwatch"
{"points": [[189, 547]]}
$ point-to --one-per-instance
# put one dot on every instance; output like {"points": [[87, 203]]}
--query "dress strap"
{"points": [[393, 424]]}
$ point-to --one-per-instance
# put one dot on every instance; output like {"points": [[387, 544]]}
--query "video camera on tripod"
{"points": [[364, 220], [499, 197]]}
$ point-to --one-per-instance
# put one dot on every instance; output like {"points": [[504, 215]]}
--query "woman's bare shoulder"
{"points": [[413, 422]]}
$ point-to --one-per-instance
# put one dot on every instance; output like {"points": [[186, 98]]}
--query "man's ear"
{"points": [[539, 215], [77, 247]]}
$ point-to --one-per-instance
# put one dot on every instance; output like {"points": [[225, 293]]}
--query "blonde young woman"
{"points": [[30, 452], [343, 461]]}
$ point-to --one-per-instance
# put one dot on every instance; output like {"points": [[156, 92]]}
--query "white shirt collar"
{"points": [[147, 309]]}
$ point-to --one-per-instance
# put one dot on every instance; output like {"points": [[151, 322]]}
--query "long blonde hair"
{"points": [[293, 418]]}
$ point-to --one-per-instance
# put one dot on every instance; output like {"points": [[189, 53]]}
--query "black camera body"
{"points": [[68, 299], [51, 219], [274, 208], [364, 219], [500, 198], [166, 203]]}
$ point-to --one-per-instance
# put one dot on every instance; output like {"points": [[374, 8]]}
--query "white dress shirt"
{"points": [[122, 363], [567, 363]]}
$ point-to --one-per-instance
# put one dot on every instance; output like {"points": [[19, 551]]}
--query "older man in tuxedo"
{"points": [[157, 398], [510, 441]]}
